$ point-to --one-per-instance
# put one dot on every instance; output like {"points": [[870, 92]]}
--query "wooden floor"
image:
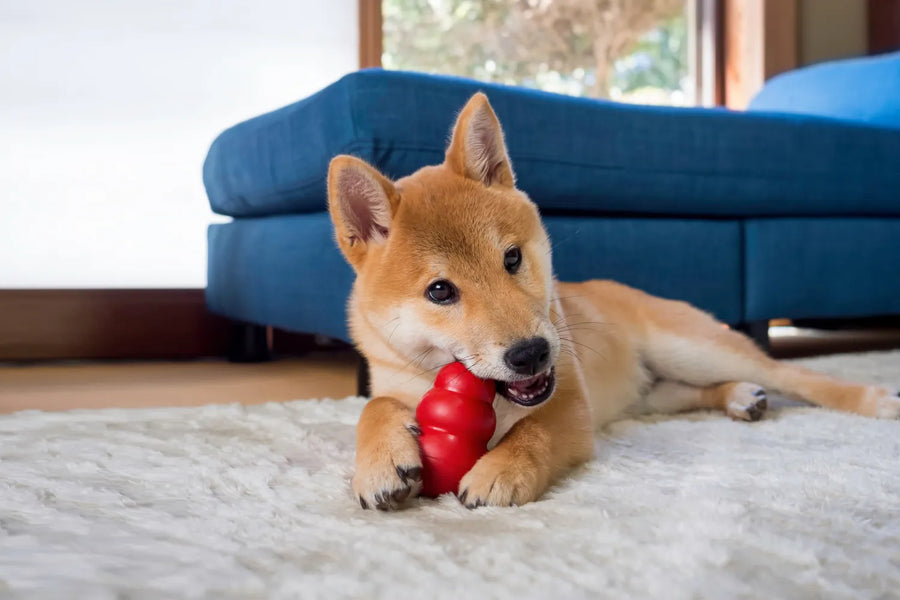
{"points": [[187, 383], [331, 374]]}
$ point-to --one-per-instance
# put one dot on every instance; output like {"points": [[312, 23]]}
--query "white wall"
{"points": [[107, 108]]}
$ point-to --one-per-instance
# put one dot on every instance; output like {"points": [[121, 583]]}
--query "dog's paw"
{"points": [[498, 480], [746, 402], [390, 472], [884, 402]]}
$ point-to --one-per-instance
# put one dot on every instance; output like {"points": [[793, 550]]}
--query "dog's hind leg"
{"points": [[741, 401], [684, 344]]}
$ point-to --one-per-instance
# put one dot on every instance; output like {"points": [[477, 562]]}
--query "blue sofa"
{"points": [[776, 212]]}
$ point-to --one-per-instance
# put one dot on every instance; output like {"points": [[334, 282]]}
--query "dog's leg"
{"points": [[741, 401], [687, 345], [535, 452], [388, 463]]}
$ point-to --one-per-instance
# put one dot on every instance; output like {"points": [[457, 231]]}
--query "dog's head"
{"points": [[452, 262]]}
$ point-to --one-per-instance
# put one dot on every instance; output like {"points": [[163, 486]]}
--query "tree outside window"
{"points": [[627, 50]]}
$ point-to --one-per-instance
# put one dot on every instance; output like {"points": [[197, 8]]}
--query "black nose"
{"points": [[528, 357]]}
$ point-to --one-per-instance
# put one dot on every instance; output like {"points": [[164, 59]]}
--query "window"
{"points": [[107, 110], [642, 51]]}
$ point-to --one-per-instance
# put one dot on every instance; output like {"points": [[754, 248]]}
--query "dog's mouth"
{"points": [[531, 391]]}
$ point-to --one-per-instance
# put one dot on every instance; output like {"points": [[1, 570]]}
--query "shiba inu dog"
{"points": [[453, 263]]}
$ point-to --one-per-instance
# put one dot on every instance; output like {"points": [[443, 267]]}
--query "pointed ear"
{"points": [[361, 201], [477, 150]]}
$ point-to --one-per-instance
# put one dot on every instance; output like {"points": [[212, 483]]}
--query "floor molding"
{"points": [[94, 323]]}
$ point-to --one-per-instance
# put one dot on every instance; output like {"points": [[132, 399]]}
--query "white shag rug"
{"points": [[234, 502]]}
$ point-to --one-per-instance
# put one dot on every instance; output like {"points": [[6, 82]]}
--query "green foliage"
{"points": [[493, 40], [660, 59], [441, 36]]}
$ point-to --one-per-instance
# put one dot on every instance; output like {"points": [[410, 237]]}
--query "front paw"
{"points": [[497, 479], [389, 472]]}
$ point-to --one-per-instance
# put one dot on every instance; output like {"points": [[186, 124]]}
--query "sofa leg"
{"points": [[363, 382], [249, 343], [758, 331]]}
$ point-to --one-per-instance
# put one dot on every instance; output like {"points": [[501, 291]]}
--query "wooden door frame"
{"points": [[371, 33], [884, 26], [760, 40]]}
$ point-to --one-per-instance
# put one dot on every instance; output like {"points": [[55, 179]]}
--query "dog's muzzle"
{"points": [[530, 391]]}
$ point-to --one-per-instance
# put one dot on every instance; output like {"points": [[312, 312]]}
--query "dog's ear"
{"points": [[477, 149], [361, 201]]}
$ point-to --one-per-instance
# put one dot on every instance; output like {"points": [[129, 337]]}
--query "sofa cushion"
{"points": [[570, 154], [282, 271], [286, 271], [820, 267], [862, 90]]}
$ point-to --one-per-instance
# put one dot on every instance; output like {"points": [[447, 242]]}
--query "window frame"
{"points": [[729, 63], [706, 60]]}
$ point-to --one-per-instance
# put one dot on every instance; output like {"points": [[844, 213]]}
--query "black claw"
{"points": [[415, 473], [400, 495], [760, 393], [464, 495], [409, 473], [755, 412], [363, 503], [414, 429], [388, 500]]}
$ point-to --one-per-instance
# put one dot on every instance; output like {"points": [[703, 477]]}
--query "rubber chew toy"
{"points": [[457, 420]]}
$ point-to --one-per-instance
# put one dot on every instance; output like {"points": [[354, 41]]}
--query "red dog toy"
{"points": [[457, 420]]}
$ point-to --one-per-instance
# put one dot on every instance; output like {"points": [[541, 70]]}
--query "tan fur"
{"points": [[615, 349], [383, 459]]}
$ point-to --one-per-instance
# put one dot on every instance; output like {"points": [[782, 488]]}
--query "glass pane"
{"points": [[626, 50], [107, 109]]}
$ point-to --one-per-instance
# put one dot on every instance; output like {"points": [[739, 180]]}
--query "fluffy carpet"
{"points": [[227, 502]]}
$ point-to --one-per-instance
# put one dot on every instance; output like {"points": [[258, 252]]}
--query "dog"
{"points": [[453, 263]]}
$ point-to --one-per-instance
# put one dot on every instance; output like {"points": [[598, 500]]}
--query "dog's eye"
{"points": [[512, 259], [442, 292]]}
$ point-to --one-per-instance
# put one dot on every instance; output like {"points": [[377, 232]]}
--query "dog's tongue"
{"points": [[527, 385]]}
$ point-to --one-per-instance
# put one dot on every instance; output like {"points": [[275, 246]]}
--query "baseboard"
{"points": [[92, 324]]}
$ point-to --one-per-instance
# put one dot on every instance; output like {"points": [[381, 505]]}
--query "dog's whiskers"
{"points": [[418, 359], [589, 325], [556, 243], [558, 298], [437, 368], [394, 330], [570, 352], [571, 341]]}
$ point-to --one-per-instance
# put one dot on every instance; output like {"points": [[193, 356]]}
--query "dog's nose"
{"points": [[528, 357]]}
